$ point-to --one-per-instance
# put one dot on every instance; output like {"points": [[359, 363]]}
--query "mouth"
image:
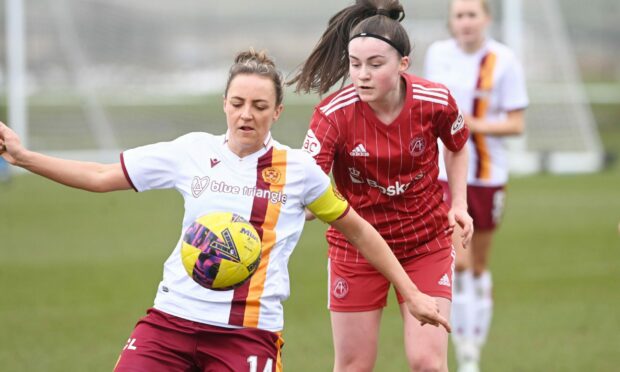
{"points": [[246, 128], [364, 88]]}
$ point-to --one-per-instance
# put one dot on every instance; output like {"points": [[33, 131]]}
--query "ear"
{"points": [[277, 112], [404, 64], [224, 103]]}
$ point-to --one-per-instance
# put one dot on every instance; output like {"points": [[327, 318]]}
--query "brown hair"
{"points": [[251, 62], [329, 60]]}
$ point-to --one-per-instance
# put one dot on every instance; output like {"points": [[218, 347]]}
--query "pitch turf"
{"points": [[78, 269]]}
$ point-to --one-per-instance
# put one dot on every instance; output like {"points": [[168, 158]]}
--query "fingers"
{"points": [[467, 229], [437, 320], [444, 323], [467, 234]]}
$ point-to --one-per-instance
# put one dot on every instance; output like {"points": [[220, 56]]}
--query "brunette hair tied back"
{"points": [[329, 60]]}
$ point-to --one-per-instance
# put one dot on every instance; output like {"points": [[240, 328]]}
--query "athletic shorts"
{"points": [[162, 342], [360, 287], [485, 204]]}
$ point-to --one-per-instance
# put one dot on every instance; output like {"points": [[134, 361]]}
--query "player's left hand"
{"points": [[425, 309], [467, 227], [466, 223]]}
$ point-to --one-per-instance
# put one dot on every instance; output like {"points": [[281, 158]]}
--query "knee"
{"points": [[427, 363], [352, 364], [460, 266], [353, 367]]}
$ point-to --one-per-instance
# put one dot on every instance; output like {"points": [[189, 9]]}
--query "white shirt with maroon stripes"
{"points": [[459, 71], [388, 173], [211, 178]]}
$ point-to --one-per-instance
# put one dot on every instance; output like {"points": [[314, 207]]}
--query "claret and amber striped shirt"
{"points": [[485, 84], [269, 188]]}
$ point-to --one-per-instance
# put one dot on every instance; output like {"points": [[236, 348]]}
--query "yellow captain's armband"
{"points": [[330, 206]]}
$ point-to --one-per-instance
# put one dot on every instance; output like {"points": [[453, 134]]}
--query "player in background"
{"points": [[488, 84], [378, 137], [194, 328]]}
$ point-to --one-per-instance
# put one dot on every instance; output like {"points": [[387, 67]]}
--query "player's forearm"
{"points": [[376, 251], [514, 124], [456, 169], [379, 254], [82, 175]]}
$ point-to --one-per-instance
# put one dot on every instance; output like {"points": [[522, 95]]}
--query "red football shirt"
{"points": [[388, 173]]}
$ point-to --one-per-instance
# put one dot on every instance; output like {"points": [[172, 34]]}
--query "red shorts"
{"points": [[485, 204], [360, 287], [162, 342]]}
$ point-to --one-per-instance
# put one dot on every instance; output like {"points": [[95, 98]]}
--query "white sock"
{"points": [[483, 288], [462, 299]]}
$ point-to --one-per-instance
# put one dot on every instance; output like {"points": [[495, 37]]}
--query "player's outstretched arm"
{"points": [[363, 236], [88, 176]]}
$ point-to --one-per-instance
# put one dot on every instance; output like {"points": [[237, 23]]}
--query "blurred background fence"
{"points": [[101, 76]]}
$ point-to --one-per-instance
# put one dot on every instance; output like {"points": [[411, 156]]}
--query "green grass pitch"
{"points": [[77, 270]]}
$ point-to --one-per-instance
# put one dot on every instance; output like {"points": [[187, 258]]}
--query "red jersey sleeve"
{"points": [[321, 140], [451, 126]]}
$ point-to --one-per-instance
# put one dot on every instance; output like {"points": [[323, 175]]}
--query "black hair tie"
{"points": [[384, 39]]}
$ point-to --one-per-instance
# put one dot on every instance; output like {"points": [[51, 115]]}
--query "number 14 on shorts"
{"points": [[253, 362], [130, 344]]}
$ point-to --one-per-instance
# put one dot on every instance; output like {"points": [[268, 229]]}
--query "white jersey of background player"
{"points": [[461, 73]]}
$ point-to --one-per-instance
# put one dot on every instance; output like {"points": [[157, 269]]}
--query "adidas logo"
{"points": [[360, 150], [445, 281]]}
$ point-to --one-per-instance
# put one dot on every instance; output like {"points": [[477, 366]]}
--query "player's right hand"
{"points": [[10, 145]]}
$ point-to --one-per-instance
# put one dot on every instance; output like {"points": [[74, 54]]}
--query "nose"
{"points": [[246, 113], [364, 73]]}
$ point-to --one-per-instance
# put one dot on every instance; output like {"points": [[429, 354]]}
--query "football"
{"points": [[220, 251]]}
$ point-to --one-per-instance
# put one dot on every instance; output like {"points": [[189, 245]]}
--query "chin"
{"points": [[366, 96]]}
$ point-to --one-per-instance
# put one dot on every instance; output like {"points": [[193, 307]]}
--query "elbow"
{"points": [[99, 184], [96, 187]]}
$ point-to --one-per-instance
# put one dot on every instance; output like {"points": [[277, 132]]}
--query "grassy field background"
{"points": [[77, 270]]}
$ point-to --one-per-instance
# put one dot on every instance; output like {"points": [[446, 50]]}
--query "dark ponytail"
{"points": [[329, 61]]}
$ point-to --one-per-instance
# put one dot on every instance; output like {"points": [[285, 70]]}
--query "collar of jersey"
{"points": [[267, 144]]}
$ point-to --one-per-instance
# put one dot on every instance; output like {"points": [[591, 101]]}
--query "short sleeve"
{"points": [[452, 128], [321, 140], [154, 166]]}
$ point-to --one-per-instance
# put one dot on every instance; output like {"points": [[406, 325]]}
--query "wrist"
{"points": [[410, 293], [460, 203], [22, 158]]}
